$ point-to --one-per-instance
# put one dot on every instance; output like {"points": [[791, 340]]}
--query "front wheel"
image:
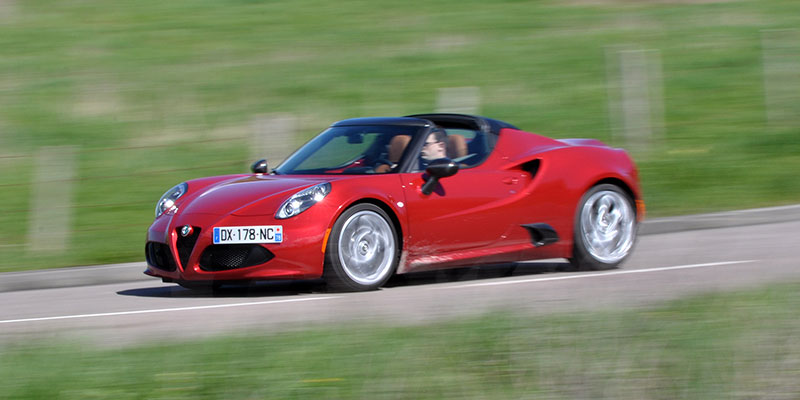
{"points": [[605, 228], [362, 251]]}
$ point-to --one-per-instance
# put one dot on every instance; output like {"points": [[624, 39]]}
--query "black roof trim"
{"points": [[403, 121], [488, 125]]}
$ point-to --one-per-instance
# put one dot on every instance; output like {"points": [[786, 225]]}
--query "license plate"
{"points": [[248, 234]]}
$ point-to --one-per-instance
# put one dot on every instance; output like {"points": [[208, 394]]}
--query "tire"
{"points": [[362, 251], [605, 229]]}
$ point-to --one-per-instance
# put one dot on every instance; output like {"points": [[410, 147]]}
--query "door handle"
{"points": [[511, 180]]}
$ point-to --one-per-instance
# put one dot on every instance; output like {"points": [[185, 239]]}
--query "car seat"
{"points": [[397, 146], [456, 147]]}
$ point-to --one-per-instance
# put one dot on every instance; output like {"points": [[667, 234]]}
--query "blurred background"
{"points": [[104, 106]]}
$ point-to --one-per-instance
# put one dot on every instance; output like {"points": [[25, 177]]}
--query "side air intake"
{"points": [[541, 234], [531, 167]]}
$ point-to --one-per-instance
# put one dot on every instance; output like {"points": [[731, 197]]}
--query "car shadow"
{"points": [[296, 288], [477, 273], [255, 289]]}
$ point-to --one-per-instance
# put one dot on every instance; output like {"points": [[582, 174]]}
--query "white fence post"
{"points": [[8, 9], [50, 216], [459, 100], [273, 137], [637, 111], [781, 63]]}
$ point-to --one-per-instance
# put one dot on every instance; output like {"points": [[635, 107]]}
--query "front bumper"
{"points": [[195, 257]]}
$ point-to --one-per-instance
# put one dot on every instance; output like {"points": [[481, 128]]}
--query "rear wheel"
{"points": [[605, 228], [362, 251]]}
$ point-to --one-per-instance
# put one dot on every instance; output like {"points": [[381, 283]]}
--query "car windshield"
{"points": [[351, 150]]}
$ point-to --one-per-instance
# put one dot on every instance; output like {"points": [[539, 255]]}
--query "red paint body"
{"points": [[474, 217]]}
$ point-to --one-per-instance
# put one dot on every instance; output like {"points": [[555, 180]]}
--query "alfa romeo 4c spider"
{"points": [[372, 197]]}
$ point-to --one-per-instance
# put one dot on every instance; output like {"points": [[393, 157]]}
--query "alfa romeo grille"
{"points": [[186, 244], [222, 257]]}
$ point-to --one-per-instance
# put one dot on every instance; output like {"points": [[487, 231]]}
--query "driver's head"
{"points": [[435, 146]]}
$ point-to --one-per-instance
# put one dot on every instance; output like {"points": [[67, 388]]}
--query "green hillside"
{"points": [[151, 93]]}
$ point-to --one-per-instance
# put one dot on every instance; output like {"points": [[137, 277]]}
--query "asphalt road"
{"points": [[663, 266]]}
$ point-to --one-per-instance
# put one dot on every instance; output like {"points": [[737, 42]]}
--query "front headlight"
{"points": [[302, 200], [166, 204]]}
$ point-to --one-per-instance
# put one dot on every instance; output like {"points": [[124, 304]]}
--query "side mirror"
{"points": [[438, 169], [259, 167]]}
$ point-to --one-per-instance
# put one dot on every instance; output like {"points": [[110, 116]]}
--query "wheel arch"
{"points": [[394, 219], [336, 273], [625, 188]]}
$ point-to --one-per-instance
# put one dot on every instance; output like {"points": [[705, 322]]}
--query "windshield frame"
{"points": [[290, 165]]}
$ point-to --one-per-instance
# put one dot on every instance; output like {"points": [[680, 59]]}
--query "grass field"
{"points": [[735, 346], [152, 93]]}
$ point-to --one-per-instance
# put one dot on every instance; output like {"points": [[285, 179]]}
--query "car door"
{"points": [[473, 209]]}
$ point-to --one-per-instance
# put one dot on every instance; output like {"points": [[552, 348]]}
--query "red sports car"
{"points": [[372, 197]]}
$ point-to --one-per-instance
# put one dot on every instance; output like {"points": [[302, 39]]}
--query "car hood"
{"points": [[248, 195]]}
